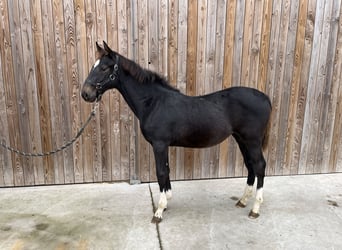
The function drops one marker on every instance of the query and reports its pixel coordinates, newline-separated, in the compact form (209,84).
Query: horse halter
(112,77)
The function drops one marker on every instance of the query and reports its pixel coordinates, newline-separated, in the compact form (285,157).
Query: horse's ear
(107,49)
(100,51)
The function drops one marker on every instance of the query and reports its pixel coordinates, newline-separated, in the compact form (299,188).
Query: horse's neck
(135,95)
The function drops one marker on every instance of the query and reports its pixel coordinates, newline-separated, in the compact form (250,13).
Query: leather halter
(112,77)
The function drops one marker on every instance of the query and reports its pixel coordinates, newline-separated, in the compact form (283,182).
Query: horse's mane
(144,76)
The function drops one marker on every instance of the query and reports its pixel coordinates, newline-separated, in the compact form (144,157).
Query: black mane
(144,76)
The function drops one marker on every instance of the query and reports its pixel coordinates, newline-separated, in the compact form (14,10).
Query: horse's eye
(103,67)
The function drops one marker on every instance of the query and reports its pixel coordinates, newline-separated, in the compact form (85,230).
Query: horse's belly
(201,138)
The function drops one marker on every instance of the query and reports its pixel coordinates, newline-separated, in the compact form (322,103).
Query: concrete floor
(299,212)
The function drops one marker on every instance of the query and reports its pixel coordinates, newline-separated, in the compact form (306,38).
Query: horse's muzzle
(89,93)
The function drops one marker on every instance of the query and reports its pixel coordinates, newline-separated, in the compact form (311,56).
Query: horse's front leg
(161,157)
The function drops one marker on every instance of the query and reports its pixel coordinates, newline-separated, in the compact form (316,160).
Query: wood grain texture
(9,171)
(290,50)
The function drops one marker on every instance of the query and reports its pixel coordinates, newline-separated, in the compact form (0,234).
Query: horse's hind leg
(242,202)
(255,163)
(259,169)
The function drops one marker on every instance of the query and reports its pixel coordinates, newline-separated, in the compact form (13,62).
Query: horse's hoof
(253,215)
(240,204)
(156,220)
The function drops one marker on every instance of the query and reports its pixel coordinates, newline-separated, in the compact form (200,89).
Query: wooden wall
(292,50)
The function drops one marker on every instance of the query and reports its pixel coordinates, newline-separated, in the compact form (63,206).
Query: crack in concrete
(157,224)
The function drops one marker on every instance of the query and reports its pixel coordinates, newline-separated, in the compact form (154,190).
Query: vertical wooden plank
(176,171)
(153,61)
(226,166)
(279,88)
(208,154)
(272,84)
(82,69)
(131,121)
(201,46)
(264,54)
(329,90)
(181,73)
(191,76)
(6,174)
(247,43)
(57,70)
(312,110)
(42,91)
(293,125)
(246,61)
(235,159)
(153,43)
(143,146)
(30,81)
(286,80)
(10,94)
(200,77)
(182,46)
(218,72)
(134,127)
(172,42)
(4,156)
(209,47)
(22,173)
(103,127)
(336,154)
(255,46)
(265,46)
(219,44)
(229,43)
(90,159)
(163,40)
(168,65)
(335,159)
(303,88)
(192,48)
(61,89)
(48,30)
(74,87)
(96,130)
(113,124)
(322,87)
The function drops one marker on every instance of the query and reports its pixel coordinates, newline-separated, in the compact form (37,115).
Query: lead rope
(66,145)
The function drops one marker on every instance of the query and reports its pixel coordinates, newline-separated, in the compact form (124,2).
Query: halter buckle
(115,72)
(112,77)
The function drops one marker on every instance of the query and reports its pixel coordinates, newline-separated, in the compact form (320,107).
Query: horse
(169,118)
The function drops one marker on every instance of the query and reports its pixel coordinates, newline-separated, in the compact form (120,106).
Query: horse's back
(242,100)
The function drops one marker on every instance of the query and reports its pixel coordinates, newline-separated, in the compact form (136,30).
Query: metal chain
(66,145)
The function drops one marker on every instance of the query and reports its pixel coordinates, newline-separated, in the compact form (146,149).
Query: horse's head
(103,75)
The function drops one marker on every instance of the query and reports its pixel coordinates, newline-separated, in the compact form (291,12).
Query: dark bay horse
(170,118)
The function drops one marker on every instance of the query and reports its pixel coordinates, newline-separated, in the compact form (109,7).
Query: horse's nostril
(85,95)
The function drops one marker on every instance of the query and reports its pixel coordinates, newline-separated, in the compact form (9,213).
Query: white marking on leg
(97,63)
(246,195)
(162,204)
(169,194)
(258,201)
